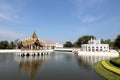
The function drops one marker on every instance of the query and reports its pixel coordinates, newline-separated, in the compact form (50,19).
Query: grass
(105,72)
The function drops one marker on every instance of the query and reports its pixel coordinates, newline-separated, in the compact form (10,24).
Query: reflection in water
(56,66)
(31,65)
(89,61)
(4,57)
(68,57)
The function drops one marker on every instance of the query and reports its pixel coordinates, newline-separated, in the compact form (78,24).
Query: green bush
(115,61)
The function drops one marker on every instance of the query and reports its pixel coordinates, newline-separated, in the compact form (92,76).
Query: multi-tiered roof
(33,40)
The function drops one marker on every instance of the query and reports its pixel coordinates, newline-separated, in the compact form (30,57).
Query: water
(56,66)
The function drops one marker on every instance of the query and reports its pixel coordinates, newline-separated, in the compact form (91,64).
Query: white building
(95,45)
(52,45)
(58,45)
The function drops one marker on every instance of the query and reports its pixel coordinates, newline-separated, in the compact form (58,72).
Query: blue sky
(59,20)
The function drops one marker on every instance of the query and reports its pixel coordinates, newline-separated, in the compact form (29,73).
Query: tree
(108,41)
(4,44)
(117,42)
(18,44)
(12,44)
(83,40)
(75,44)
(68,44)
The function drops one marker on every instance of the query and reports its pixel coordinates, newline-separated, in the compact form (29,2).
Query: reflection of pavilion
(31,65)
(89,61)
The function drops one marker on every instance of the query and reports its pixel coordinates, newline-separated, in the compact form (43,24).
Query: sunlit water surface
(56,66)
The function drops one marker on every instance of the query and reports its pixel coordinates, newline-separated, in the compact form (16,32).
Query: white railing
(67,49)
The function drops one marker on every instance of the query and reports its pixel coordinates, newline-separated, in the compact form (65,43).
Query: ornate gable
(34,35)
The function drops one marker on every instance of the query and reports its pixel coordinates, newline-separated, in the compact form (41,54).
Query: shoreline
(107,54)
(23,51)
(112,53)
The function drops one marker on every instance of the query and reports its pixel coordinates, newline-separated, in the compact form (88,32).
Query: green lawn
(105,73)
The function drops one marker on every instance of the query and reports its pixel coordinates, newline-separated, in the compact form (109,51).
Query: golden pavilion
(33,43)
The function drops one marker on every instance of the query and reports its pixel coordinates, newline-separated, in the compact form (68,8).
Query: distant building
(52,45)
(95,45)
(34,43)
(58,45)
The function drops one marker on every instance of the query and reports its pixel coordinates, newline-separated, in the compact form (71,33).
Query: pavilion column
(28,46)
(31,46)
(35,46)
(38,47)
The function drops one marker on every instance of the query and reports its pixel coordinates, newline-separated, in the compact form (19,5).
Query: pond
(56,66)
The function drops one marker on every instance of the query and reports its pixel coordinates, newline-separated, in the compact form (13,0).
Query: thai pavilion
(33,43)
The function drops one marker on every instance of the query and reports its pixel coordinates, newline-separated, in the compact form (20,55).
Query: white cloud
(4,6)
(89,19)
(87,10)
(87,3)
(9,11)
(5,17)
(8,34)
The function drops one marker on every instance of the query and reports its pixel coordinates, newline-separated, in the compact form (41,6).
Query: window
(96,49)
(89,50)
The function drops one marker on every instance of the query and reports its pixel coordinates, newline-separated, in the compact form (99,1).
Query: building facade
(95,45)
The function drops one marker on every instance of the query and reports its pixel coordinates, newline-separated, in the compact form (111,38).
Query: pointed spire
(91,39)
(34,35)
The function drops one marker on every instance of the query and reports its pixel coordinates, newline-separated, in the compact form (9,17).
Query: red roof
(48,42)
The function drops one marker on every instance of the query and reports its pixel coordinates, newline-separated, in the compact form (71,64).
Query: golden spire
(34,35)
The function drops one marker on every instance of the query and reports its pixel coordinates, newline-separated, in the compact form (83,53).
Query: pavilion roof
(31,40)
